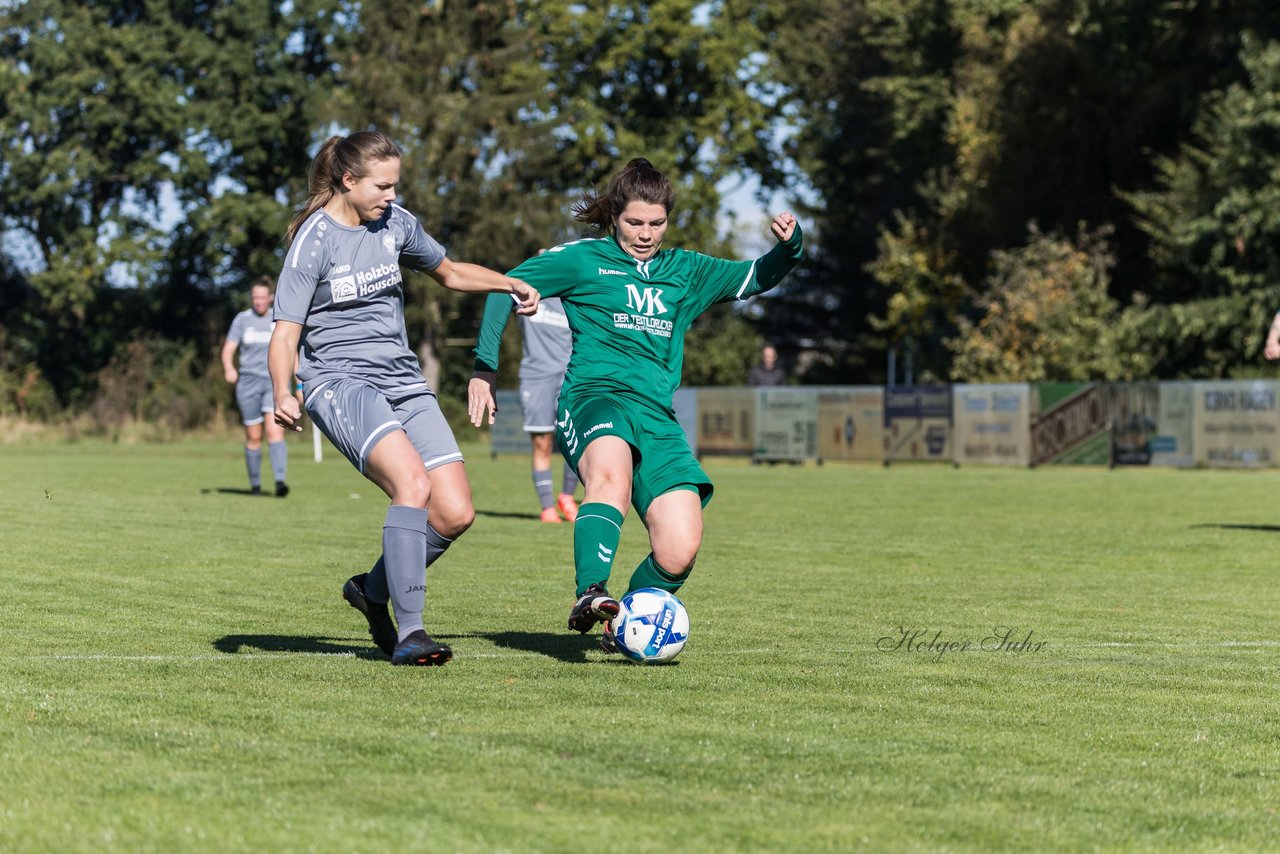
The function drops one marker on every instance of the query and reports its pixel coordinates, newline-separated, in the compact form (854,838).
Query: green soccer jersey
(629,317)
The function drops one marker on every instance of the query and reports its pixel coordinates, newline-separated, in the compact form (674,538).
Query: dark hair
(638,181)
(338,156)
(263,282)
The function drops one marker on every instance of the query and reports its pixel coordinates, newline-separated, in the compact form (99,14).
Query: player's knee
(454,523)
(613,486)
(676,559)
(451,514)
(413,490)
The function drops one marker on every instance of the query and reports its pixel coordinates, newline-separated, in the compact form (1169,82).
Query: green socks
(649,574)
(595,541)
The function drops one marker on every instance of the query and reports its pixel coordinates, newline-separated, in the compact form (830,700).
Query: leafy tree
(261,80)
(1214,223)
(868,93)
(508,112)
(1045,315)
(107,107)
(84,132)
(933,131)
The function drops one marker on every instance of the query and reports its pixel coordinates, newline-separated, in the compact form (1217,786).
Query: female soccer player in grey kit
(340,298)
(250,333)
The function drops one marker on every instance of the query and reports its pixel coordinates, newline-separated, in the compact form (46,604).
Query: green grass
(179,672)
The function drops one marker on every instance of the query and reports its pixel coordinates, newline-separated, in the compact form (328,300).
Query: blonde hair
(338,156)
(638,181)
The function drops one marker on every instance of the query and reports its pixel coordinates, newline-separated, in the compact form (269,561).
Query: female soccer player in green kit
(629,303)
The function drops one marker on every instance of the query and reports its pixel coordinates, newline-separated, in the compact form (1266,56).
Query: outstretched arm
(472,278)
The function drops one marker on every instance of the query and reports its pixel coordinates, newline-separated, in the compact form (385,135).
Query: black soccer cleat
(608,641)
(380,625)
(282,489)
(255,490)
(593,606)
(420,650)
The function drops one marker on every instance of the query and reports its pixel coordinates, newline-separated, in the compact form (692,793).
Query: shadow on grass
(1274,529)
(234,644)
(494,514)
(558,645)
(227,490)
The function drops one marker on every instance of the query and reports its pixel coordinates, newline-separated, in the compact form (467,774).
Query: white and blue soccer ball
(651,626)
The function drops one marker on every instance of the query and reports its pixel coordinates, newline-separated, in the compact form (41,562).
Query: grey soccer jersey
(252,333)
(343,284)
(547,341)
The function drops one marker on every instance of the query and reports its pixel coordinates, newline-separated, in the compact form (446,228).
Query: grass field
(179,673)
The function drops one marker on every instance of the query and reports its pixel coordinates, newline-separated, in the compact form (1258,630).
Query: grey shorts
(254,397)
(355,416)
(538,403)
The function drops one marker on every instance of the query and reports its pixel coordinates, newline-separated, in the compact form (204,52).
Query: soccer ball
(651,626)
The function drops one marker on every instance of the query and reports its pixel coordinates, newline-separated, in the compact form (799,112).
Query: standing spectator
(767,371)
(249,335)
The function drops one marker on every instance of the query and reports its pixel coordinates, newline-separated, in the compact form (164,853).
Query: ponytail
(338,156)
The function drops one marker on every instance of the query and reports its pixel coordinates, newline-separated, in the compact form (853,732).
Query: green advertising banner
(1069,424)
(851,423)
(992,424)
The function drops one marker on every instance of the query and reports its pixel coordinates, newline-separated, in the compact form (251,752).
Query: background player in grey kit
(341,300)
(249,336)
(547,343)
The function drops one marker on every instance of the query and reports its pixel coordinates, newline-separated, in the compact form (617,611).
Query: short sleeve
(420,251)
(236,332)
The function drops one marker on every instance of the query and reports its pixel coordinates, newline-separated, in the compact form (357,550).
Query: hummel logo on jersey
(648,303)
(605,272)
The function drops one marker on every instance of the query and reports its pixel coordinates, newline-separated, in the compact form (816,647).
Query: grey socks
(409,546)
(253,462)
(279,452)
(542,483)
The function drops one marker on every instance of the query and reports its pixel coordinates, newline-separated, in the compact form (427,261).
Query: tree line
(995,189)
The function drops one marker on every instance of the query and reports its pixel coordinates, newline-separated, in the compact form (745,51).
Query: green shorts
(663,460)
